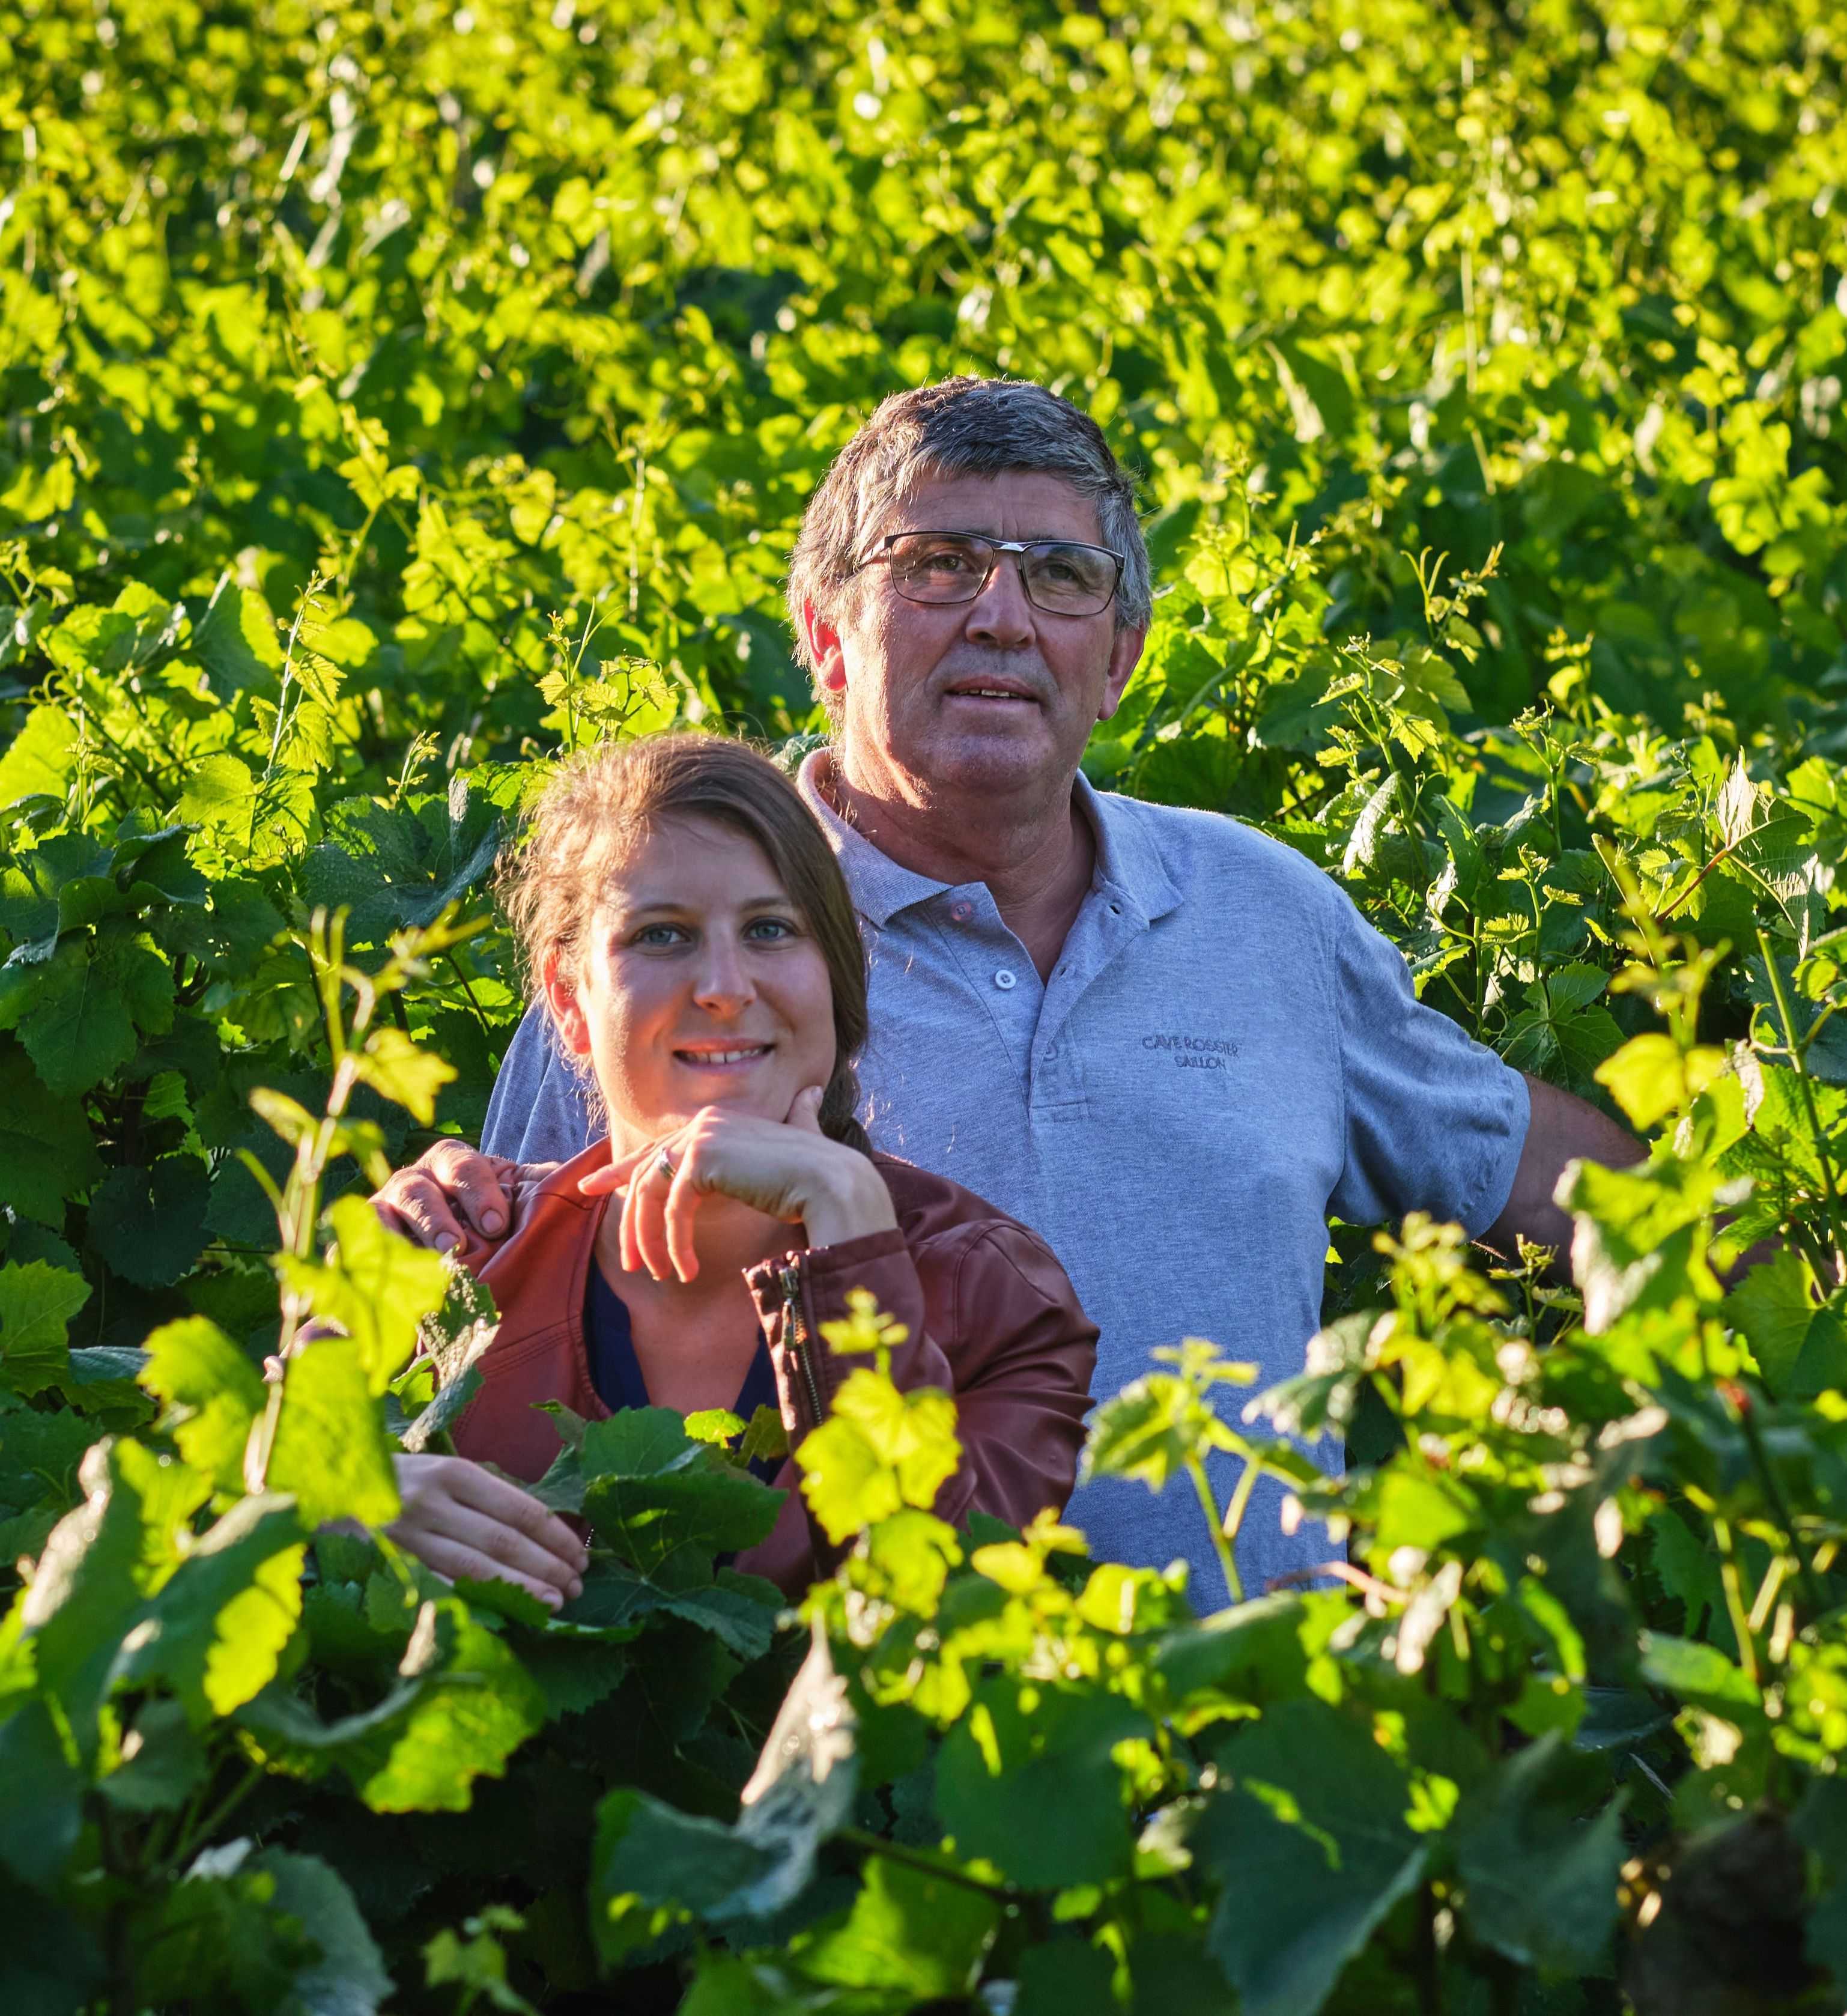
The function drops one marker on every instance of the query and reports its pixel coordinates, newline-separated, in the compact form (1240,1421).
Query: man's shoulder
(1188,844)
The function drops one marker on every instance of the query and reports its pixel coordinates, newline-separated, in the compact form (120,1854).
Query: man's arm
(1563,1128)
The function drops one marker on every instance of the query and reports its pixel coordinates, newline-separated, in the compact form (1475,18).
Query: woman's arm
(992,1319)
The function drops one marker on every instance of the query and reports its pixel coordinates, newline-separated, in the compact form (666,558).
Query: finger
(509,1506)
(420,1203)
(613,1174)
(648,1195)
(677,1214)
(454,1561)
(805,1109)
(472,1181)
(509,1549)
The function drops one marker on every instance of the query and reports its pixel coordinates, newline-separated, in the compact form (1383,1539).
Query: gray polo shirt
(1225,1053)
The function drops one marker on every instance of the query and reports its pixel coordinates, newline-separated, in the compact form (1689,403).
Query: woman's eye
(770,928)
(658,935)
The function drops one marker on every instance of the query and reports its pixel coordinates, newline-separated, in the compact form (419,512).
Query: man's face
(991,695)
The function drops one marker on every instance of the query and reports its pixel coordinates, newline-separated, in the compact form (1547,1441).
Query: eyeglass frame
(1016,547)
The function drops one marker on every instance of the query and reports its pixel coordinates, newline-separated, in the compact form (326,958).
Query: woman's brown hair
(598,806)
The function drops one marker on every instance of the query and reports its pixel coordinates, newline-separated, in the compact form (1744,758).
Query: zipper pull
(795,1341)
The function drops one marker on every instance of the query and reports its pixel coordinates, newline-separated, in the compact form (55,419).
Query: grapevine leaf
(1541,1881)
(37,1302)
(150,1223)
(46,1153)
(1311,1850)
(212,1394)
(214,1631)
(330,1449)
(78,1029)
(1026,1780)
(909,1933)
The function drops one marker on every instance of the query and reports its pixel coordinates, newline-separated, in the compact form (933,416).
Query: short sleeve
(1433,1121)
(538,1110)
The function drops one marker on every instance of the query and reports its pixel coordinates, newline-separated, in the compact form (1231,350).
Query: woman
(695,944)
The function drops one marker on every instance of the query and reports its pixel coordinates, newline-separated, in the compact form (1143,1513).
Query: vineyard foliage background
(396,396)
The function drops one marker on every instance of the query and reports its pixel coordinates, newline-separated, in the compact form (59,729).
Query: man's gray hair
(961,426)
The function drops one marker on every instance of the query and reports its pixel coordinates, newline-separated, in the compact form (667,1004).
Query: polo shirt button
(961,911)
(1004,978)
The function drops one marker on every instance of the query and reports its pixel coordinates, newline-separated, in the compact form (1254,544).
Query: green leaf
(923,1937)
(376,1285)
(46,1153)
(216,1629)
(1774,1305)
(1650,1077)
(1310,1852)
(878,1449)
(37,1302)
(78,1030)
(667,1504)
(100,1564)
(1540,1879)
(42,1797)
(38,759)
(211,1392)
(347,1977)
(1026,1780)
(398,1069)
(462,1705)
(215,1941)
(149,1224)
(330,1449)
(651,1866)
(1701,1675)
(164,1761)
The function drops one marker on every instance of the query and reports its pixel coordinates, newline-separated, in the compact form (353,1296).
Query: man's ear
(1125,655)
(568,1015)
(825,653)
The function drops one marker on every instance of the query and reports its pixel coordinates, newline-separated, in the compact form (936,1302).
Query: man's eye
(945,560)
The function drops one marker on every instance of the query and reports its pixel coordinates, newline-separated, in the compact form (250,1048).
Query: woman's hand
(463,1521)
(787,1169)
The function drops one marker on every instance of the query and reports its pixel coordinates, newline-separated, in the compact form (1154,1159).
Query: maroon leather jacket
(992,1319)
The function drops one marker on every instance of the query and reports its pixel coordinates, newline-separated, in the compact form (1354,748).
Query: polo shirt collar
(1129,863)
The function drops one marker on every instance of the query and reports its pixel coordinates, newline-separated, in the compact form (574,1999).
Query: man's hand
(464,1522)
(449,1189)
(1563,1128)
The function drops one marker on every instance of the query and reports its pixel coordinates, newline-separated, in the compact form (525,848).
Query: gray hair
(961,426)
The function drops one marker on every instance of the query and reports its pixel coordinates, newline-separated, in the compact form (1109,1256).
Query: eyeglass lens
(1060,576)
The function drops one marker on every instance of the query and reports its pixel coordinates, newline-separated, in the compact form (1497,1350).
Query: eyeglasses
(1062,577)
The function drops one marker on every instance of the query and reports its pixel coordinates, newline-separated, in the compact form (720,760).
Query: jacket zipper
(795,1332)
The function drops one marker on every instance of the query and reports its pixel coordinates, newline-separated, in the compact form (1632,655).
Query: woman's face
(700,985)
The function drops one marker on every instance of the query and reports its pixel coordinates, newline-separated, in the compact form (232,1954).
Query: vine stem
(1221,1545)
(1733,1583)
(871,1844)
(1830,1197)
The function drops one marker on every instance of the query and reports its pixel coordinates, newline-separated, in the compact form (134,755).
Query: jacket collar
(1129,866)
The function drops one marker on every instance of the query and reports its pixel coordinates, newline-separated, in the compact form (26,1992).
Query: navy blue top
(616,1373)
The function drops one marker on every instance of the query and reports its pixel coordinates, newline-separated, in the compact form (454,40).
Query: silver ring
(664,1165)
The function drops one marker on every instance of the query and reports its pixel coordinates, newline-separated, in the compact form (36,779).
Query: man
(1168,1044)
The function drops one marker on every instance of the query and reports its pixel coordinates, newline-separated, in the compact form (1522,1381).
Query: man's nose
(1001,615)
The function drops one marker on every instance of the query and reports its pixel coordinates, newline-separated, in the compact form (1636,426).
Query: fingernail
(576,1589)
(446,1242)
(491,1221)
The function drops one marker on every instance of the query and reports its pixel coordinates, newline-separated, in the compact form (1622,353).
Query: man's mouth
(1016,694)
(703,1058)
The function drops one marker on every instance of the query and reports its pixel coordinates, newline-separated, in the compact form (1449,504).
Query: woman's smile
(725,1057)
